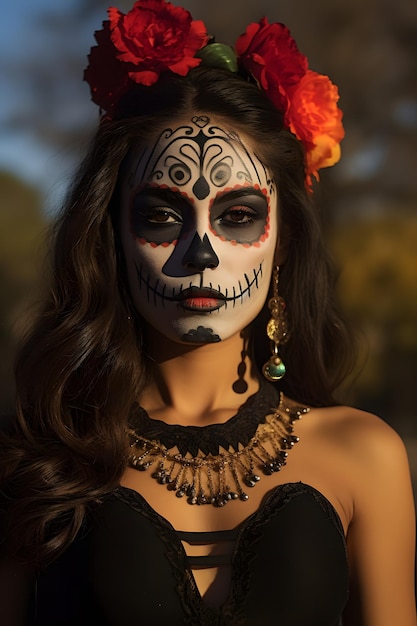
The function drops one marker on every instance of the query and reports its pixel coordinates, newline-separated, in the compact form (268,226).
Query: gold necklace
(217,479)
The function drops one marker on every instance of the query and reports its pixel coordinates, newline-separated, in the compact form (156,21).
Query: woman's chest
(286,561)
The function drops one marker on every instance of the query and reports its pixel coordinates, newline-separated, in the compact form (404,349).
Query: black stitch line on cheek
(148,285)
(248,283)
(155,292)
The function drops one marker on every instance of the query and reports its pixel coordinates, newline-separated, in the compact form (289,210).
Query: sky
(21,152)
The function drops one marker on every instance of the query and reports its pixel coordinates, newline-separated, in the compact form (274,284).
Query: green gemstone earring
(277,331)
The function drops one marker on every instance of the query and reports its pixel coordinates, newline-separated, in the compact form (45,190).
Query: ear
(283,244)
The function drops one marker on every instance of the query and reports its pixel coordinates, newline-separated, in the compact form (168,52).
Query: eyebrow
(174,195)
(165,193)
(232,194)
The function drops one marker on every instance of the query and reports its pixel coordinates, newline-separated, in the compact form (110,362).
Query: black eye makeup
(158,216)
(240,215)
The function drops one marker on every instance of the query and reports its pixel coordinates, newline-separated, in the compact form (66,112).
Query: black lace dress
(128,566)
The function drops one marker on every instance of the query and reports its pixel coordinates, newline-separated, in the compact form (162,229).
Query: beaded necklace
(214,464)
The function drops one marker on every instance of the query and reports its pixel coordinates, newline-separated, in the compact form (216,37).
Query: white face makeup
(199,229)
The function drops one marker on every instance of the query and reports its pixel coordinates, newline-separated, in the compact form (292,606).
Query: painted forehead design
(200,152)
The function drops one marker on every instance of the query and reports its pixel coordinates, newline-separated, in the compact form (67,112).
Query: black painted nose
(200,254)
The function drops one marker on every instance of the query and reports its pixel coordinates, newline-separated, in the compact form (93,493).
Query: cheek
(140,252)
(151,255)
(252,237)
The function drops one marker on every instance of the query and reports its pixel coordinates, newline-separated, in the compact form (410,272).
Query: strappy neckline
(192,600)
(290,488)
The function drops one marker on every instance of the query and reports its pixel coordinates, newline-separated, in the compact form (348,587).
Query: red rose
(153,37)
(314,117)
(106,75)
(271,55)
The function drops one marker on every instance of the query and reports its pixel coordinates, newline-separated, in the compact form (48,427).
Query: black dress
(128,566)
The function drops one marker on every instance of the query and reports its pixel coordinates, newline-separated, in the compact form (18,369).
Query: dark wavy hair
(81,366)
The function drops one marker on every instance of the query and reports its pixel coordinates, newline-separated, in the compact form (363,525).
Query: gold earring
(277,331)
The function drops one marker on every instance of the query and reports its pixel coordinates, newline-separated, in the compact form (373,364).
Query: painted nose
(200,254)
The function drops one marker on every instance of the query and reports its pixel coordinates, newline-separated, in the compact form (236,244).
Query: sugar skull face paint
(199,230)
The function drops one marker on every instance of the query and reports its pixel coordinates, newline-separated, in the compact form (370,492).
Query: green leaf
(218,55)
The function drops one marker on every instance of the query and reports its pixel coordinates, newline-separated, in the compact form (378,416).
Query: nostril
(200,254)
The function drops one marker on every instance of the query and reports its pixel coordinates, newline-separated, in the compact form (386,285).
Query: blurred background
(367,47)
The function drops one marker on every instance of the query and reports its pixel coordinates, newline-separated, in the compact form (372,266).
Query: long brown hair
(81,366)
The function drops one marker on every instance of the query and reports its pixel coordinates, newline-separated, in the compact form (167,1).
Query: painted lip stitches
(201,299)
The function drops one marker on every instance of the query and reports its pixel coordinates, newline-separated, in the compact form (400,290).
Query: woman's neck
(198,385)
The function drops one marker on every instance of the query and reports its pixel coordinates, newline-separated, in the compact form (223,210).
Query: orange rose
(314,118)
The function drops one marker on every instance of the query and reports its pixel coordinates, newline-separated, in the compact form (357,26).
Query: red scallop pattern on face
(140,238)
(246,244)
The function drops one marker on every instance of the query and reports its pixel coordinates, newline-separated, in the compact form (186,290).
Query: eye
(238,216)
(163,216)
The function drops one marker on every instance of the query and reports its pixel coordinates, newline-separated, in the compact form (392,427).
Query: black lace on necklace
(212,464)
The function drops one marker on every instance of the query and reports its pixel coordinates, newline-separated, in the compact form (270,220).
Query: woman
(158,471)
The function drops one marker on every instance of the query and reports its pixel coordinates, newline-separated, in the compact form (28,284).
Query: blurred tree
(378,287)
(54,104)
(21,226)
(368,48)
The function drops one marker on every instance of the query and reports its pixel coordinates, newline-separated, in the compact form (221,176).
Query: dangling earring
(277,331)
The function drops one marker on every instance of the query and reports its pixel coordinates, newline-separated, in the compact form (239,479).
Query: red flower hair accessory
(308,100)
(153,37)
(156,37)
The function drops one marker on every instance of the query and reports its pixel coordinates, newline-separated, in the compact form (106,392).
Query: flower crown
(156,37)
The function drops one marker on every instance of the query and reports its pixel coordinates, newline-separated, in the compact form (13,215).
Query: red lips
(201,299)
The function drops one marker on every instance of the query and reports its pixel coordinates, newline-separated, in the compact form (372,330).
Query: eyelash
(152,214)
(249,215)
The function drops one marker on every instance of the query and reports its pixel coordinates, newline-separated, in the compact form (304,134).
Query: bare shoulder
(370,456)
(366,438)
(365,467)
(373,461)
